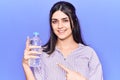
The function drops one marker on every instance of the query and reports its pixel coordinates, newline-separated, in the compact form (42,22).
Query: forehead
(59,15)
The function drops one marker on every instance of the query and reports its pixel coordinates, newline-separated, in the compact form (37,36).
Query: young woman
(64,56)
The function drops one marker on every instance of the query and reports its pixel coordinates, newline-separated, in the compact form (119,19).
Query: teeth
(61,31)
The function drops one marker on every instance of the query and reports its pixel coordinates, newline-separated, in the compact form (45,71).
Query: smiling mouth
(61,31)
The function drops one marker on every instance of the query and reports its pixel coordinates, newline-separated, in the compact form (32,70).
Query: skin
(62,29)
(61,26)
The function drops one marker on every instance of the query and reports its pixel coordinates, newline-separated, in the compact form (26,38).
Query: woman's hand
(72,75)
(28,53)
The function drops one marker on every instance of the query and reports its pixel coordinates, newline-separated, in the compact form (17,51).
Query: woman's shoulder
(85,46)
(87,49)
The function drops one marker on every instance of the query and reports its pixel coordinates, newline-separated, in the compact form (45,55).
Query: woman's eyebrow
(65,18)
(54,19)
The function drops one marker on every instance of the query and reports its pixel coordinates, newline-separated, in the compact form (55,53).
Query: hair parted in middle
(70,11)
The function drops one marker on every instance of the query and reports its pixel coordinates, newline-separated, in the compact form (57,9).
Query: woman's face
(61,25)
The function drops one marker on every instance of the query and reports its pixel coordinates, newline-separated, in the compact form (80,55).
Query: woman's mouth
(61,31)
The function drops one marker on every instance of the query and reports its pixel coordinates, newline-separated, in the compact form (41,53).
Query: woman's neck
(66,44)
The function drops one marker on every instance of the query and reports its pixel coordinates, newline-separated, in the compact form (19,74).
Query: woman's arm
(27,70)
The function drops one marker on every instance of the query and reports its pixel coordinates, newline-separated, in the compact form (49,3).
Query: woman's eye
(54,22)
(65,20)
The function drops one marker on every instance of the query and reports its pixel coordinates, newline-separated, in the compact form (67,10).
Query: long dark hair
(70,11)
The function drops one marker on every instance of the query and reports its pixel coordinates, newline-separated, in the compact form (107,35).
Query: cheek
(67,25)
(54,28)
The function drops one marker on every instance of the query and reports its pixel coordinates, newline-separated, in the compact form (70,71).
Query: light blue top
(83,60)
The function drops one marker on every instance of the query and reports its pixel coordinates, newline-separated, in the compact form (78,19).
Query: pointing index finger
(64,68)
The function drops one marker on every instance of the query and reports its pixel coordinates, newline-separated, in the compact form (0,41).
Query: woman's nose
(60,24)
